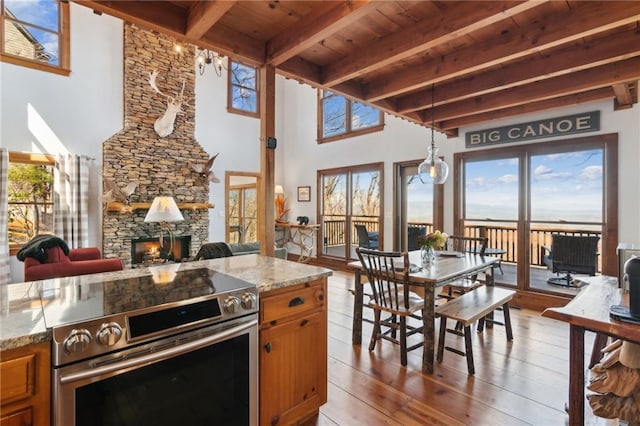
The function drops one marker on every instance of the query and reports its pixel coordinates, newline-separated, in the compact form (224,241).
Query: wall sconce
(162,211)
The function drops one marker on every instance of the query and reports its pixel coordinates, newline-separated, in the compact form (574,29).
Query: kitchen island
(292,311)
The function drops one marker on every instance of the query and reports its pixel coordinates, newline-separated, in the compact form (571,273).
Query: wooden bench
(475,305)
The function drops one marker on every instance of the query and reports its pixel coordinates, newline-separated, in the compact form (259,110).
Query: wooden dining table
(447,268)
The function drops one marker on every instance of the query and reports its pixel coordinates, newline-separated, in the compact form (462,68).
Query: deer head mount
(164,124)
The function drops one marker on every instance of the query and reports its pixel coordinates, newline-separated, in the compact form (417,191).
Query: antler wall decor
(204,170)
(164,124)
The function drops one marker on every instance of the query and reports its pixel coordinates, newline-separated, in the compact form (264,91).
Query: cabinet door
(293,369)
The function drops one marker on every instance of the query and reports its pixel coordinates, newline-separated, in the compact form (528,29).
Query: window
(339,117)
(35,34)
(30,192)
(519,196)
(350,196)
(242,95)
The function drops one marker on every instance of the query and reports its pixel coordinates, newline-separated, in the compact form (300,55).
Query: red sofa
(80,261)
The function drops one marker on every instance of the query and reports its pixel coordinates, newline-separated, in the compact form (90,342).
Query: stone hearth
(160,166)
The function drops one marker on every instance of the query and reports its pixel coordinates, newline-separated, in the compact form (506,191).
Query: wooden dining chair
(388,276)
(464,244)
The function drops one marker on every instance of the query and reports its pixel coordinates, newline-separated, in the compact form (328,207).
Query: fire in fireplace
(147,251)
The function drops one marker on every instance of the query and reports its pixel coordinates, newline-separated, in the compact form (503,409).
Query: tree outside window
(243,89)
(30,193)
(34,34)
(340,117)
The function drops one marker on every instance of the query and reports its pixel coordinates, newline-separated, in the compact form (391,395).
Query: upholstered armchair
(47,257)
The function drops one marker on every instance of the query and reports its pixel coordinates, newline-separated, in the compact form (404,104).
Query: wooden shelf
(128,208)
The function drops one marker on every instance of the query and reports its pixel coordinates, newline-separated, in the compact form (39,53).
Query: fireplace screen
(147,251)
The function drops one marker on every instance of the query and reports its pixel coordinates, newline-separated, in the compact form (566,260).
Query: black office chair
(364,239)
(571,254)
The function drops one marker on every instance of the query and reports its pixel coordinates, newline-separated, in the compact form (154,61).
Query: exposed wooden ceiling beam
(227,41)
(204,14)
(624,96)
(455,22)
(587,19)
(163,17)
(563,101)
(314,28)
(602,76)
(566,59)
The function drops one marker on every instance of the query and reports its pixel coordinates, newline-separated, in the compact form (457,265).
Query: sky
(43,13)
(564,186)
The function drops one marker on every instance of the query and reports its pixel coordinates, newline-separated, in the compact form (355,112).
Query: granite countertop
(21,311)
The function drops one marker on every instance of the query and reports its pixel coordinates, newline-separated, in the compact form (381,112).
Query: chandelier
(433,169)
(206,57)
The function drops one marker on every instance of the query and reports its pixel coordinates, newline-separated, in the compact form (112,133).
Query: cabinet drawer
(277,307)
(18,378)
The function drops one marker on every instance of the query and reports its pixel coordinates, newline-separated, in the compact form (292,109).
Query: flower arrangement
(435,240)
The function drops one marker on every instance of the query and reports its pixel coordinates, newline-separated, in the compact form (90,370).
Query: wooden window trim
(320,197)
(349,133)
(230,85)
(608,142)
(64,49)
(28,158)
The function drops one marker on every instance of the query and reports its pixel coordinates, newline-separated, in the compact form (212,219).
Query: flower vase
(428,256)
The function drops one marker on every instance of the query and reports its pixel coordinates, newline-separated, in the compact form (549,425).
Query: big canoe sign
(567,125)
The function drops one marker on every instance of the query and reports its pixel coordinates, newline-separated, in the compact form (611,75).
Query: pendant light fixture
(433,169)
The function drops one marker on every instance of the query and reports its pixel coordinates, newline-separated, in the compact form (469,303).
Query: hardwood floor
(516,383)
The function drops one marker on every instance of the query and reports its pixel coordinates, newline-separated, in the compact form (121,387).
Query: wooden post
(266,221)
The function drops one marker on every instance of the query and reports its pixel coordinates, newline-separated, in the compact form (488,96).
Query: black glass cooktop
(69,300)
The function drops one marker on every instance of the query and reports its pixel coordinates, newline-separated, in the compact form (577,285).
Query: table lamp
(164,210)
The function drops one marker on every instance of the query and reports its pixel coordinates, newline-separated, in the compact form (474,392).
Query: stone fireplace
(159,166)
(147,251)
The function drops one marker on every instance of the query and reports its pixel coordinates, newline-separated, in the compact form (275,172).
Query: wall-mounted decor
(304,193)
(557,126)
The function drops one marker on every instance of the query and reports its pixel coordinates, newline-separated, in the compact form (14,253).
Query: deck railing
(503,237)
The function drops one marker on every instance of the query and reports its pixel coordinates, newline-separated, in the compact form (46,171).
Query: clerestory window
(339,117)
(35,34)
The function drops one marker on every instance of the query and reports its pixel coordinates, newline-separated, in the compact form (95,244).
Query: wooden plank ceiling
(486,60)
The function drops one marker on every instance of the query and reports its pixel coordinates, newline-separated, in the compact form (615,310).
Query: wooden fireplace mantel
(128,208)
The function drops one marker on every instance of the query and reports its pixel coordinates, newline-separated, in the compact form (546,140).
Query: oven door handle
(156,356)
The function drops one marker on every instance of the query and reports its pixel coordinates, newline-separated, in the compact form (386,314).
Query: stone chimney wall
(160,166)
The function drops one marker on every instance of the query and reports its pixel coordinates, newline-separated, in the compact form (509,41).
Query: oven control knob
(231,305)
(249,300)
(77,341)
(109,334)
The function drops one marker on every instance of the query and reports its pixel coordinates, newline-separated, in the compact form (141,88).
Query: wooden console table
(589,310)
(301,236)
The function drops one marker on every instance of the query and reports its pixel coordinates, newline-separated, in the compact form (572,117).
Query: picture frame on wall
(304,193)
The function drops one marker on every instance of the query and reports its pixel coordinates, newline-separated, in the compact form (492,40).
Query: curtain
(71,205)
(5,270)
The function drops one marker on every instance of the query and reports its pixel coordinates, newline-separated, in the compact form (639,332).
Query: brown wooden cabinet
(25,386)
(293,353)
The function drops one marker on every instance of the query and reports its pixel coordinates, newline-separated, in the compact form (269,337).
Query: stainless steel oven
(185,361)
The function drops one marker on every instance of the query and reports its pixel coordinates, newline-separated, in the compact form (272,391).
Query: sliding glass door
(519,196)
(415,205)
(350,196)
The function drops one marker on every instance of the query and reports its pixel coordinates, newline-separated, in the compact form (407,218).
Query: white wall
(43,112)
(402,141)
(50,113)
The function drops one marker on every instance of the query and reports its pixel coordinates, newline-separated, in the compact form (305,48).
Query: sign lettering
(567,125)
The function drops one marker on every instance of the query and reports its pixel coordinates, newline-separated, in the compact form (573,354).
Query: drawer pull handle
(296,301)
(267,347)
